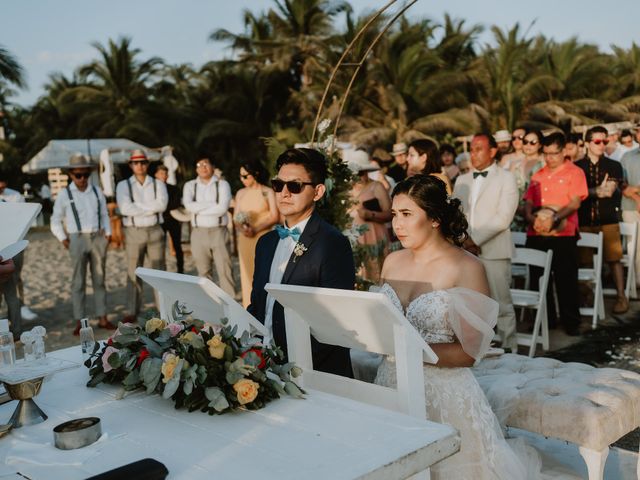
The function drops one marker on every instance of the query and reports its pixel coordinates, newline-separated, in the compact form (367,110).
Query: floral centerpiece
(198,365)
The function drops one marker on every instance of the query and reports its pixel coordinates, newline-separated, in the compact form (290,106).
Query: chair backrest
(365,321)
(530,256)
(519,238)
(630,231)
(590,240)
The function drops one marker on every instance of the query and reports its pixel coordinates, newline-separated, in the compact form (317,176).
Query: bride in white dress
(443,292)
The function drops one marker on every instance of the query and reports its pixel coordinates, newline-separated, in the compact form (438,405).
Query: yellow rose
(169,366)
(216,347)
(247,390)
(154,324)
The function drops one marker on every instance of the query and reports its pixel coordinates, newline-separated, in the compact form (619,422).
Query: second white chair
(535,300)
(593,276)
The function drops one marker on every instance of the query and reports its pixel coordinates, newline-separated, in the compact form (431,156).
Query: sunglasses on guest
(81,175)
(598,141)
(530,142)
(518,137)
(294,186)
(139,162)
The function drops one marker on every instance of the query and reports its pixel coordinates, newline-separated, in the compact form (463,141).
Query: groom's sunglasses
(294,186)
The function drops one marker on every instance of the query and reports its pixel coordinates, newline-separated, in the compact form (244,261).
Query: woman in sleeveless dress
(371,207)
(255,212)
(443,292)
(423,158)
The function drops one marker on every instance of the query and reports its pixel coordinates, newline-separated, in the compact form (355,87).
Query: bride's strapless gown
(455,398)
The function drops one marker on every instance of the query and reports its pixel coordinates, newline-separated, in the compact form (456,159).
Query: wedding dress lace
(453,395)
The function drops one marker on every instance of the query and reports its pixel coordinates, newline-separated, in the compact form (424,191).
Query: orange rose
(247,390)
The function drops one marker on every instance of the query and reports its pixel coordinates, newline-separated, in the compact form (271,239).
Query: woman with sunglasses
(523,169)
(255,212)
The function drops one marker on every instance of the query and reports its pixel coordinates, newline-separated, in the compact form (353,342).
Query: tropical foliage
(425,77)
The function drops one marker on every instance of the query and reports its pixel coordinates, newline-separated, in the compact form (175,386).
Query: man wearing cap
(207,199)
(80,221)
(503,140)
(398,169)
(141,200)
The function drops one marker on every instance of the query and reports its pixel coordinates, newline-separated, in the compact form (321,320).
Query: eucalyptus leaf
(99,378)
(126,339)
(150,371)
(132,379)
(114,361)
(131,363)
(277,386)
(217,399)
(187,388)
(233,377)
(154,349)
(293,390)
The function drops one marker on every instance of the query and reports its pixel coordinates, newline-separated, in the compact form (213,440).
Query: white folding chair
(629,233)
(593,276)
(536,300)
(520,271)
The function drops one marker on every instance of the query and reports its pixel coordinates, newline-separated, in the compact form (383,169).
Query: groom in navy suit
(306,251)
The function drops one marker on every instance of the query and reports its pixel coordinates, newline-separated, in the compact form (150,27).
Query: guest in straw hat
(81,222)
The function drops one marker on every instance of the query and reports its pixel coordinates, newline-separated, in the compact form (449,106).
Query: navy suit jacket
(328,262)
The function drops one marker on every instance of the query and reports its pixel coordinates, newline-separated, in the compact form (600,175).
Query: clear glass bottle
(27,345)
(7,347)
(38,346)
(87,341)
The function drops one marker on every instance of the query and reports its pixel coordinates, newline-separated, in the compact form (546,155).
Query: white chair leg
(600,302)
(545,327)
(595,461)
(536,330)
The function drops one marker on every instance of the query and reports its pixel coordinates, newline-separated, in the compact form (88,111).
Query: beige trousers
(88,249)
(499,277)
(141,241)
(210,244)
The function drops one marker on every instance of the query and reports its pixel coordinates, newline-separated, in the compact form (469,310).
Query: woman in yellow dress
(255,212)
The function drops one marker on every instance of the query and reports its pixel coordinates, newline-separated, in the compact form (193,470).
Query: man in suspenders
(207,199)
(81,222)
(141,200)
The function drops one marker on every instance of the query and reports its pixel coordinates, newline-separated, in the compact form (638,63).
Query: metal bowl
(77,433)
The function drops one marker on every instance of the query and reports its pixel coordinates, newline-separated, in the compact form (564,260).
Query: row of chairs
(526,298)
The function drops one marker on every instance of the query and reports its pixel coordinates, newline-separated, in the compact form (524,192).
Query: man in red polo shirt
(552,202)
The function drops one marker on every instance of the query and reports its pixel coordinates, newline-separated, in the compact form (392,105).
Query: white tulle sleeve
(472,317)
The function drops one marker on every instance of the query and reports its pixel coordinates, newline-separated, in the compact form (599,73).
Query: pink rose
(105,358)
(175,328)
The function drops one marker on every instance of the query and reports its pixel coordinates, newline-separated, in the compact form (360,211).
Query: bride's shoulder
(471,273)
(395,259)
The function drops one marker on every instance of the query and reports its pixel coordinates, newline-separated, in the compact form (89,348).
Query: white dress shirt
(208,202)
(278,265)
(148,201)
(476,187)
(10,195)
(87,206)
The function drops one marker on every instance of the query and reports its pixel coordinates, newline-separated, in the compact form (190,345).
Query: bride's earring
(434,225)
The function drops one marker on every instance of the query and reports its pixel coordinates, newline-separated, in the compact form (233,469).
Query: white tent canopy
(57,152)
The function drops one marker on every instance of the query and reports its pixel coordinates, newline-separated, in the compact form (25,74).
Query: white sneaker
(27,314)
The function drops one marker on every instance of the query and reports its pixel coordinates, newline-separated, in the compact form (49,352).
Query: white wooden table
(321,437)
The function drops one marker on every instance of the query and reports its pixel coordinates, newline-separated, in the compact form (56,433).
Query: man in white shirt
(489,197)
(81,223)
(207,199)
(141,200)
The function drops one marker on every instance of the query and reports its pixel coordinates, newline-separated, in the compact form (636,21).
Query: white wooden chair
(593,276)
(520,271)
(536,300)
(629,233)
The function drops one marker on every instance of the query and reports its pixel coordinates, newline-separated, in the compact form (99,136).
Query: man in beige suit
(489,197)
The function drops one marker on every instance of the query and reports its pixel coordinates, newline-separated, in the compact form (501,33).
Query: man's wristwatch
(556,219)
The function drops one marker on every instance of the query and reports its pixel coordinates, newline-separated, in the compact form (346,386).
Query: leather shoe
(621,305)
(106,324)
(129,319)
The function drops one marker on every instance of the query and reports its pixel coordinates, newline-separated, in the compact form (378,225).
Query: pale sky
(48,36)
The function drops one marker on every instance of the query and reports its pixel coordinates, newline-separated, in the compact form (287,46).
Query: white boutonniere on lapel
(298,251)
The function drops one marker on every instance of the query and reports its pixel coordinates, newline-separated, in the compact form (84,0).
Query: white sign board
(205,299)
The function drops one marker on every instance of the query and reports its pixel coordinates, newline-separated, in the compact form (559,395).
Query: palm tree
(10,69)
(114,97)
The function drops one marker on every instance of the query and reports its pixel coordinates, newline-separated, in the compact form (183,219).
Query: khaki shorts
(611,244)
